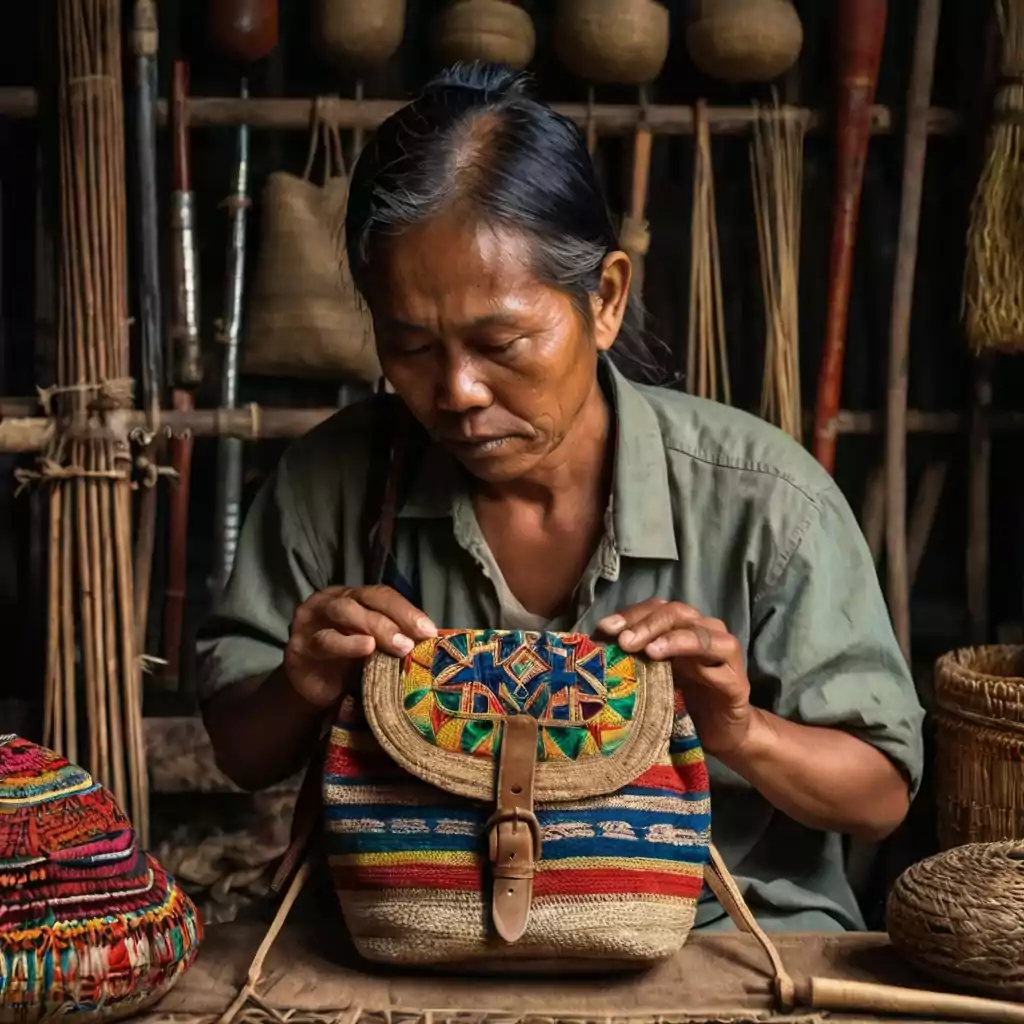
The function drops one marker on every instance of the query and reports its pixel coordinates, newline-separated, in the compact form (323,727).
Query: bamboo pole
(601,119)
(918,96)
(26,434)
(88,475)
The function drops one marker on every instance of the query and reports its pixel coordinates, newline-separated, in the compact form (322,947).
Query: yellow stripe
(688,757)
(444,858)
(584,864)
(353,741)
(40,798)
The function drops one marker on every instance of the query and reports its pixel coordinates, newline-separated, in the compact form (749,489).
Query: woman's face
(494,364)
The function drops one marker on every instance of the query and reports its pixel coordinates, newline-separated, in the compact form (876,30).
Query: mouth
(477,446)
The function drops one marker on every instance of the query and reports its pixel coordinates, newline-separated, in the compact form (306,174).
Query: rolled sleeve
(275,570)
(823,640)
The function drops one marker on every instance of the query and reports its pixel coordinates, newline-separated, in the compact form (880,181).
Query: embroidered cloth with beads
(90,925)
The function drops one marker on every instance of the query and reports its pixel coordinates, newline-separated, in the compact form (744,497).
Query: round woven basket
(980,756)
(959,917)
(744,40)
(489,30)
(618,41)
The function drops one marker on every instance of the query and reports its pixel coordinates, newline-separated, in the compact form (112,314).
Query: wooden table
(312,980)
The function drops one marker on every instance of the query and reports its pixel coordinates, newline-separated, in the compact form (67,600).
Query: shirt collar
(641,505)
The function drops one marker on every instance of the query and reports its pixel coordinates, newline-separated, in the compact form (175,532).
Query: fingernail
(655,647)
(627,637)
(402,643)
(613,623)
(424,625)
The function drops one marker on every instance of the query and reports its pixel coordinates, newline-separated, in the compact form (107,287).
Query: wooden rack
(607,119)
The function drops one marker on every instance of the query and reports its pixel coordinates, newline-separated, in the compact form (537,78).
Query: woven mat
(714,977)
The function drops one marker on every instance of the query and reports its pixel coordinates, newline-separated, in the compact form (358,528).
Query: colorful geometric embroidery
(459,687)
(89,923)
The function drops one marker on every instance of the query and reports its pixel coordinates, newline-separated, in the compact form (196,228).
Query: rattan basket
(980,758)
(959,918)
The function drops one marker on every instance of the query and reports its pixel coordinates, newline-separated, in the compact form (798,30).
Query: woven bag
(91,927)
(306,318)
(512,795)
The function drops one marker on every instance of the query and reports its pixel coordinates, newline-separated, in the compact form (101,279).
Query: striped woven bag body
(506,795)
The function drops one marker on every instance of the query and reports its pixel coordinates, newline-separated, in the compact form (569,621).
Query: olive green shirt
(710,506)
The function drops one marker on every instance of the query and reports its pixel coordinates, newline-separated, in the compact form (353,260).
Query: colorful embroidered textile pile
(89,924)
(605,804)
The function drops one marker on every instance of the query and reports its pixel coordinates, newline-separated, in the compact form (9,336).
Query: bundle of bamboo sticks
(707,364)
(92,656)
(777,159)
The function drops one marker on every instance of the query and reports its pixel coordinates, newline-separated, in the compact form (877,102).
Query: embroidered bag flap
(597,717)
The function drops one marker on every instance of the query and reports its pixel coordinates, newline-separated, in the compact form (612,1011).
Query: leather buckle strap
(513,832)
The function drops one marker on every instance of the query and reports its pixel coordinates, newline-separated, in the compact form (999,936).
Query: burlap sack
(305,317)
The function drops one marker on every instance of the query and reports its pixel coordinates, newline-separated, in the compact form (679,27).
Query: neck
(578,467)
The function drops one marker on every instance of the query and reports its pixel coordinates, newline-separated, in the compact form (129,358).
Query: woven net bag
(959,918)
(980,759)
(306,318)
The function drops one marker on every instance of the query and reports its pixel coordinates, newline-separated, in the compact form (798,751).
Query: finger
(612,625)
(347,615)
(330,645)
(659,622)
(696,643)
(410,620)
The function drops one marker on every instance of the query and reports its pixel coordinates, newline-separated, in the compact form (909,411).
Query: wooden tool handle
(867,997)
(861,32)
(179,126)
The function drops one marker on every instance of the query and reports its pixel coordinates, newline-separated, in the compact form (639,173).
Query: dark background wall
(941,371)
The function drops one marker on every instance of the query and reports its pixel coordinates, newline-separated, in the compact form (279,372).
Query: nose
(460,388)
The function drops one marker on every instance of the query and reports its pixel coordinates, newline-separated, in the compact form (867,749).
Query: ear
(608,303)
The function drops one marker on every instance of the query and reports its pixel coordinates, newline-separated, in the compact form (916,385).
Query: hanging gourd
(244,30)
(624,42)
(744,40)
(358,33)
(494,31)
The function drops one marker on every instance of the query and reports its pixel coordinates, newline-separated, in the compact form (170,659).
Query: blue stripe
(554,850)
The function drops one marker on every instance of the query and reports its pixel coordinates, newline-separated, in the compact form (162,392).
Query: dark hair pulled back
(529,171)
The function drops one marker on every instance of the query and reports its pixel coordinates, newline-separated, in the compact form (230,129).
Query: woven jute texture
(980,758)
(959,917)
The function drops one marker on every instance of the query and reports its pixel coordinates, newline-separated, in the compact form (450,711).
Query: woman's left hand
(707,665)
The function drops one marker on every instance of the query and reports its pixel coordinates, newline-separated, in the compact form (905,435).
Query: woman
(550,492)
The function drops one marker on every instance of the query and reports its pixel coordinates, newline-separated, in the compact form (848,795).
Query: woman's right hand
(341,625)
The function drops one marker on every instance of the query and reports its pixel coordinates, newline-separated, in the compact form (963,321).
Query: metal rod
(607,119)
(228,509)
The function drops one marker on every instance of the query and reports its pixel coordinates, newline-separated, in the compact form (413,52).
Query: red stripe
(695,777)
(663,777)
(546,883)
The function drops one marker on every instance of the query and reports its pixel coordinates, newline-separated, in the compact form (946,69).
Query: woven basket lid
(744,40)
(39,785)
(494,31)
(983,685)
(957,917)
(362,33)
(617,41)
